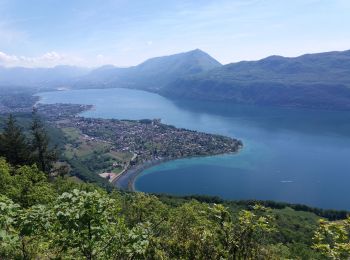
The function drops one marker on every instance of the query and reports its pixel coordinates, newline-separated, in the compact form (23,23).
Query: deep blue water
(292,155)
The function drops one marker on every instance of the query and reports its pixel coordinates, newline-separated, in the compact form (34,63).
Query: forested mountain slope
(313,80)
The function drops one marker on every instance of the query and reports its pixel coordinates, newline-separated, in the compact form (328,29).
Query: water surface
(293,155)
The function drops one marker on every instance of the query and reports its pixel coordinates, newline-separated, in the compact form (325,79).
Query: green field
(95,154)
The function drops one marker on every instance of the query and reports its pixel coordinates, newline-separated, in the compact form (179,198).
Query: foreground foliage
(332,239)
(62,219)
(46,215)
(91,225)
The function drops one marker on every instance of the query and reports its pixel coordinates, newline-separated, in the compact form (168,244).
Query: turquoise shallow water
(293,155)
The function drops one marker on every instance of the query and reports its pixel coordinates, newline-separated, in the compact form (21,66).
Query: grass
(94,153)
(71,133)
(122,156)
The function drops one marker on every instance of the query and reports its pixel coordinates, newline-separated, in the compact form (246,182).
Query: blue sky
(126,32)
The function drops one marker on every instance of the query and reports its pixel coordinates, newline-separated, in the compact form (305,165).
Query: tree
(62,170)
(190,233)
(88,225)
(246,236)
(24,233)
(5,177)
(26,185)
(9,236)
(41,153)
(332,239)
(141,208)
(13,144)
(35,226)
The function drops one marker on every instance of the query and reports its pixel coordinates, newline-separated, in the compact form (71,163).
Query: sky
(46,33)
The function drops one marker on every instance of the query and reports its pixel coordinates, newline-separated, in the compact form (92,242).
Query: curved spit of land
(152,142)
(138,144)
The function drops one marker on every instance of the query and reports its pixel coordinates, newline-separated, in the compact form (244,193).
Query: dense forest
(47,214)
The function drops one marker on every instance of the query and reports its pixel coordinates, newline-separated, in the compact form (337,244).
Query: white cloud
(51,56)
(5,58)
(54,58)
(48,59)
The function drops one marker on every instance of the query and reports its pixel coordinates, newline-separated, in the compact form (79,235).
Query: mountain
(102,77)
(313,80)
(153,74)
(40,77)
(319,80)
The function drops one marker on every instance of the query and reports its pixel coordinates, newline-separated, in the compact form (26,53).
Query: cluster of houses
(58,111)
(150,139)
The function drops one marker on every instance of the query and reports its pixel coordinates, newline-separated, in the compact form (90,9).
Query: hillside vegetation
(314,80)
(47,214)
(62,219)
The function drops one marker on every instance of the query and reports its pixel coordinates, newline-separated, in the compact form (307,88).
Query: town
(151,139)
(143,140)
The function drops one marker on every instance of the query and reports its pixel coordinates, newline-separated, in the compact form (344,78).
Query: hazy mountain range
(153,74)
(314,80)
(40,77)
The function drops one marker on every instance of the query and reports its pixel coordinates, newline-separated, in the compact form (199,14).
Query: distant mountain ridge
(313,80)
(36,77)
(153,74)
(320,80)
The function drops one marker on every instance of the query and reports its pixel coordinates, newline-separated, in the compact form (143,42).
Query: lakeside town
(16,102)
(150,139)
(144,140)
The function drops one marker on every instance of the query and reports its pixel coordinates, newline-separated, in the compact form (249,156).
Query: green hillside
(45,213)
(314,81)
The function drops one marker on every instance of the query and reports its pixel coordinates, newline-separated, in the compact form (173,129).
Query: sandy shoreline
(126,181)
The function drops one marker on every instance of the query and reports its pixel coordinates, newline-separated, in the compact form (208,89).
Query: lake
(292,155)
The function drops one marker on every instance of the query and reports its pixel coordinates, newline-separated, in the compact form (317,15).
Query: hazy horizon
(125,33)
(109,64)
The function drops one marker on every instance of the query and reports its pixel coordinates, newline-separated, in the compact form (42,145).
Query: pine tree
(13,144)
(41,153)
